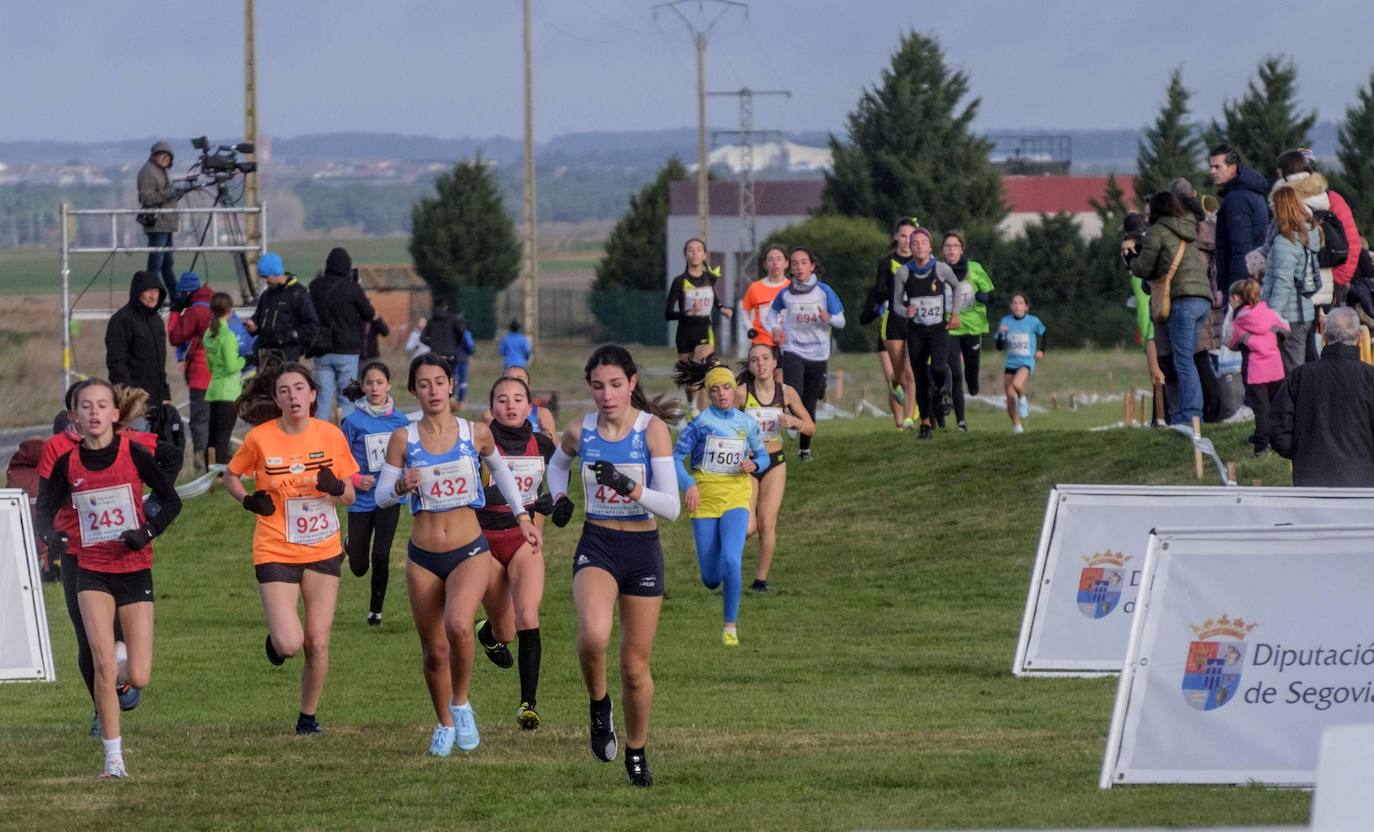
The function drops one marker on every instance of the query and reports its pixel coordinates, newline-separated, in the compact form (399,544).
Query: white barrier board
(1247,643)
(1092,550)
(25,649)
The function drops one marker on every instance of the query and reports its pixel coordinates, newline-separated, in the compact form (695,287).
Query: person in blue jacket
(368,428)
(515,347)
(714,455)
(1243,219)
(1022,336)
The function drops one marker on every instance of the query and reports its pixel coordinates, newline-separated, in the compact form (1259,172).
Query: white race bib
(376,450)
(723,455)
(105,513)
(1018,344)
(807,316)
(699,300)
(929,310)
(310,520)
(769,419)
(529,474)
(448,485)
(602,501)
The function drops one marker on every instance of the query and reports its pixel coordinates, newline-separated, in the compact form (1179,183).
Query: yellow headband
(719,375)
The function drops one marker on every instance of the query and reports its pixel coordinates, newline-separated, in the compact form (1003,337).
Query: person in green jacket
(226,367)
(973,321)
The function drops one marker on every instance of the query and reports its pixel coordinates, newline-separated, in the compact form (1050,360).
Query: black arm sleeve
(546,446)
(984,298)
(166,492)
(169,459)
(1042,341)
(672,311)
(53,492)
(1001,341)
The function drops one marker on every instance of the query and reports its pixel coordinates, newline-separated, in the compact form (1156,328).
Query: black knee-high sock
(530,651)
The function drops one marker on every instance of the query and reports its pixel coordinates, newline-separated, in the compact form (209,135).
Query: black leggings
(222,420)
(808,379)
(84,662)
(928,347)
(377,528)
(970,350)
(1260,395)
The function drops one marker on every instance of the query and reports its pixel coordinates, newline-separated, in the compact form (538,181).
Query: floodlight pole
(254,231)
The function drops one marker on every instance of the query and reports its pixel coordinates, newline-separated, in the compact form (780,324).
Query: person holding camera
(155,190)
(285,322)
(343,308)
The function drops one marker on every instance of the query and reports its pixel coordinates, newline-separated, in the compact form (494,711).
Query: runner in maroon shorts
(517,587)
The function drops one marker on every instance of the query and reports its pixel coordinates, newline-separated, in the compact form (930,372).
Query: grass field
(36,271)
(872,689)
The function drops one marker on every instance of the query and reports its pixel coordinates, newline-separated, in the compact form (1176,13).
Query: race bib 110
(376,443)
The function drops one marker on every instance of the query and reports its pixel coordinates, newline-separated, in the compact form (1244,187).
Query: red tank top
(65,519)
(529,476)
(107,503)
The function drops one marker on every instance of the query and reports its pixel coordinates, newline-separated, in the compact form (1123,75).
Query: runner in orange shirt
(758,300)
(300,466)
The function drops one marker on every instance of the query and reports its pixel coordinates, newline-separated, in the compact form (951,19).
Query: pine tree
(1355,150)
(1171,147)
(911,150)
(635,249)
(462,236)
(1265,121)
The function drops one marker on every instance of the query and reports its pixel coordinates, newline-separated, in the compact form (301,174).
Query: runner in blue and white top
(368,430)
(802,316)
(1022,336)
(436,462)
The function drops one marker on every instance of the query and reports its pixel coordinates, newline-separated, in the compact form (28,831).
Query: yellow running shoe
(729,639)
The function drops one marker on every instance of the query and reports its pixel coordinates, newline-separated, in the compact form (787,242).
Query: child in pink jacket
(1254,330)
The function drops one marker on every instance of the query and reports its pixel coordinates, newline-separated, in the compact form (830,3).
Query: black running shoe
(637,766)
(946,402)
(758,586)
(308,726)
(603,730)
(496,651)
(273,656)
(963,427)
(926,433)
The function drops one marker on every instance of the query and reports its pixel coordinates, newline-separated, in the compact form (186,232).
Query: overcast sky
(86,70)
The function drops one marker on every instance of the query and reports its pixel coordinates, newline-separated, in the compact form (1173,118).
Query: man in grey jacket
(155,190)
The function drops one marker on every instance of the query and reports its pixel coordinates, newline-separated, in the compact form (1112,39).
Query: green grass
(872,689)
(36,271)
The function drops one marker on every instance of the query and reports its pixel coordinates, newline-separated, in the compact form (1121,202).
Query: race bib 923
(310,520)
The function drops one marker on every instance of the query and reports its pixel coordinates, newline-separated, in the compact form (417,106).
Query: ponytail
(221,304)
(132,403)
(692,374)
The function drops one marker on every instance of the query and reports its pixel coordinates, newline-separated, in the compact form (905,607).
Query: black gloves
(260,502)
(329,484)
(607,475)
(562,511)
(543,505)
(56,542)
(180,301)
(136,539)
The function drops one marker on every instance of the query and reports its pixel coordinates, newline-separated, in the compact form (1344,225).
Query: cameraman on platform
(155,190)
(285,321)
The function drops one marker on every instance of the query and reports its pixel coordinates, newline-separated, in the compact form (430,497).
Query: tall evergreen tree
(1171,147)
(635,249)
(462,236)
(911,149)
(1355,150)
(1265,121)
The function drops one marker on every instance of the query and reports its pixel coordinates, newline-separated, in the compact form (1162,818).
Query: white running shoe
(441,744)
(465,724)
(1018,429)
(114,769)
(1022,407)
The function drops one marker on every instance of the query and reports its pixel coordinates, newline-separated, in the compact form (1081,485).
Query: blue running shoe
(1022,407)
(465,724)
(441,744)
(129,697)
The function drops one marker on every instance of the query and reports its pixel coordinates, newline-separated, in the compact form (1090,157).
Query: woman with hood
(1169,250)
(1292,260)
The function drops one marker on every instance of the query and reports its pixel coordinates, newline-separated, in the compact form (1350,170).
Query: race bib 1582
(1019,344)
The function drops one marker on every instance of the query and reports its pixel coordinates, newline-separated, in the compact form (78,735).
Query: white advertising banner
(1092,549)
(1246,644)
(25,649)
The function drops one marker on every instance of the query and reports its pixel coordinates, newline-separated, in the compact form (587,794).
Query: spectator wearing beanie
(285,322)
(343,309)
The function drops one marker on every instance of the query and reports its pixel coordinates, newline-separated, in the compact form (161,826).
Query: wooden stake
(1159,403)
(1054,401)
(1073,402)
(1128,408)
(839,385)
(1230,472)
(1197,452)
(1141,408)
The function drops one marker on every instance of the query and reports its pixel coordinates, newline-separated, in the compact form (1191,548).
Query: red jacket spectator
(1342,273)
(186,327)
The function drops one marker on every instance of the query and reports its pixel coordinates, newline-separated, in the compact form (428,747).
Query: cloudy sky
(86,70)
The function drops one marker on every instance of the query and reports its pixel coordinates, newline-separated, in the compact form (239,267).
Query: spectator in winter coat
(1296,169)
(285,321)
(185,330)
(226,362)
(373,333)
(136,342)
(515,347)
(1243,217)
(1323,413)
(1256,330)
(1292,256)
(155,190)
(448,335)
(343,309)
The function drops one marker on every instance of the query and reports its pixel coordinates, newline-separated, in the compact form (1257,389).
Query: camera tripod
(248,291)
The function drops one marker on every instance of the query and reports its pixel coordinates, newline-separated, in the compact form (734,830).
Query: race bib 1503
(723,455)
(603,501)
(105,513)
(448,485)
